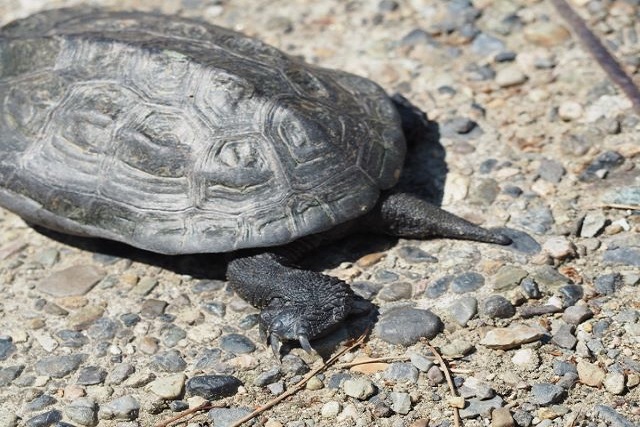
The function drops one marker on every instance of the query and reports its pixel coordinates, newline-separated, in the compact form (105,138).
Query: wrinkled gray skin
(178,137)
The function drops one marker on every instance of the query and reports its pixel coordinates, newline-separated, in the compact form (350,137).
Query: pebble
(435,375)
(561,368)
(7,348)
(498,307)
(537,219)
(267,377)
(549,277)
(415,255)
(84,317)
(622,255)
(613,418)
(226,417)
(331,409)
(10,373)
(276,388)
(83,411)
(570,111)
(546,33)
(577,314)
(400,402)
(601,166)
(401,372)
(72,281)
(73,339)
(45,419)
(463,310)
(559,248)
(213,387)
(103,329)
(511,337)
(607,284)
(569,295)
(501,417)
(521,241)
(511,75)
(477,407)
(485,45)
(592,224)
(467,282)
(396,291)
(420,362)
(292,365)
(359,388)
(314,383)
(525,358)
(614,382)
(457,347)
(564,337)
(91,375)
(545,394)
(590,373)
(39,403)
(530,288)
(438,287)
(407,325)
(168,388)
(144,286)
(152,308)
(169,361)
(237,344)
(59,366)
(122,408)
(366,290)
(551,171)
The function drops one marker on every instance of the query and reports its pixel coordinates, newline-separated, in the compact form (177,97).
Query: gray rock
(477,407)
(607,284)
(45,419)
(522,418)
(10,373)
(217,308)
(415,255)
(72,281)
(83,410)
(545,394)
(551,171)
(564,337)
(207,358)
(237,344)
(225,417)
(530,288)
(569,294)
(387,6)
(438,287)
(603,164)
(276,388)
(7,348)
(549,277)
(178,405)
(386,276)
(463,310)
(536,219)
(486,45)
(169,361)
(508,277)
(91,375)
(592,224)
(407,325)
(561,367)
(457,126)
(510,76)
(267,377)
(521,241)
(577,314)
(122,408)
(400,402)
(152,308)
(213,387)
(59,366)
(568,380)
(435,375)
(420,362)
(366,290)
(396,291)
(467,282)
(401,372)
(39,403)
(330,409)
(359,388)
(129,319)
(119,373)
(71,338)
(498,307)
(484,192)
(622,255)
(417,37)
(614,382)
(622,195)
(613,418)
(293,365)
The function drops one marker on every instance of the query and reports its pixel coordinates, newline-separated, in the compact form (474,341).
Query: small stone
(592,224)
(467,282)
(498,307)
(237,344)
(612,418)
(510,75)
(72,281)
(330,409)
(501,417)
(415,255)
(525,358)
(435,375)
(396,291)
(601,166)
(103,329)
(478,407)
(457,347)
(59,366)
(169,361)
(577,314)
(420,362)
(400,402)
(276,388)
(83,411)
(217,308)
(438,287)
(401,372)
(84,317)
(607,284)
(407,325)
(71,338)
(564,337)
(122,408)
(213,387)
(508,277)
(7,348)
(39,403)
(10,373)
(168,388)
(511,337)
(570,110)
(152,308)
(457,126)
(485,45)
(267,377)
(226,417)
(149,345)
(45,419)
(546,33)
(614,382)
(545,394)
(569,295)
(293,365)
(622,255)
(559,248)
(314,383)
(359,388)
(530,288)
(551,171)
(91,375)
(590,373)
(144,286)
(463,310)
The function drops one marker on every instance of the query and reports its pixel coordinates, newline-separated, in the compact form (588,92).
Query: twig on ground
(372,360)
(620,206)
(447,375)
(204,407)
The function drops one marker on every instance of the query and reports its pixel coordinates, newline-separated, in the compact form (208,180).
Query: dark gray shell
(182,137)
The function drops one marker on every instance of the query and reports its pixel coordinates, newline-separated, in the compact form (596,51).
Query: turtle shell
(178,136)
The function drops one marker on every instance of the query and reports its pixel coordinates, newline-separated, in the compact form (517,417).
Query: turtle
(180,137)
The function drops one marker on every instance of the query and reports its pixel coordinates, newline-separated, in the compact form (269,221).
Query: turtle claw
(306,346)
(275,344)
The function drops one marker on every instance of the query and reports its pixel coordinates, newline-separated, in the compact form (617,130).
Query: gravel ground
(536,139)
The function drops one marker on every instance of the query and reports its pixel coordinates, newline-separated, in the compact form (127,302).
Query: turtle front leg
(405,215)
(295,304)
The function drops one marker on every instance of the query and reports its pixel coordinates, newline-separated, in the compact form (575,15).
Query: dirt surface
(529,134)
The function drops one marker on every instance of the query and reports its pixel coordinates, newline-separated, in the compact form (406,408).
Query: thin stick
(620,206)
(302,382)
(203,407)
(373,360)
(600,53)
(452,387)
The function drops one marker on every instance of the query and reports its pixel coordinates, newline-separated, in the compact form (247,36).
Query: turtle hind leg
(404,215)
(296,305)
